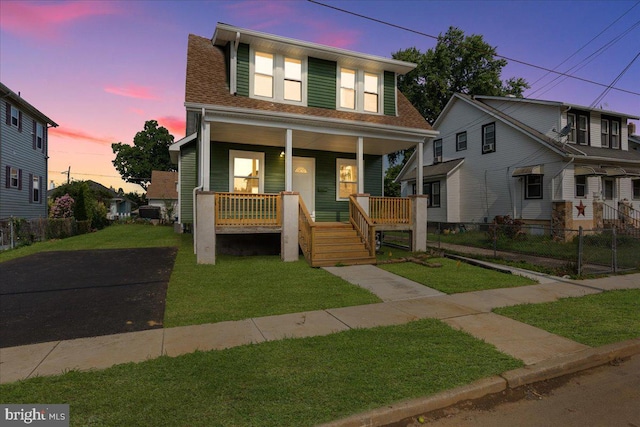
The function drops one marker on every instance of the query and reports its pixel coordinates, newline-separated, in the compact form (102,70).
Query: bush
(62,207)
(60,228)
(505,226)
(84,227)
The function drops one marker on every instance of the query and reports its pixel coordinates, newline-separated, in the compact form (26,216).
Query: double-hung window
(437,151)
(347,88)
(579,127)
(15,117)
(359,90)
(432,189)
(278,77)
(636,189)
(489,138)
(346,179)
(35,189)
(615,134)
(246,172)
(533,187)
(581,186)
(39,136)
(461,141)
(13,179)
(605,140)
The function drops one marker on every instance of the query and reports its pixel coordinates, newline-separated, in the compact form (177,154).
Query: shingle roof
(206,83)
(163,185)
(437,169)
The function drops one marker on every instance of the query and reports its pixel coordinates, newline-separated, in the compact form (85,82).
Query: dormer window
(609,132)
(359,90)
(278,77)
(579,128)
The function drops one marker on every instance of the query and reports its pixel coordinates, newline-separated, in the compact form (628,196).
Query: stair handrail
(630,221)
(306,231)
(363,225)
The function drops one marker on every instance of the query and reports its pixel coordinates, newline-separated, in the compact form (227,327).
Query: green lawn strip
(294,382)
(243,287)
(112,237)
(456,276)
(592,320)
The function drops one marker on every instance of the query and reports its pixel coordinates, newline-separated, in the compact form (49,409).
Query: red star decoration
(581,207)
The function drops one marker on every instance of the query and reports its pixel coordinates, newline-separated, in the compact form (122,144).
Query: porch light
(282,154)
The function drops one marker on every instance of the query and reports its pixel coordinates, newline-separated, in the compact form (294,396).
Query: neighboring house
(634,140)
(163,192)
(270,118)
(544,162)
(23,157)
(118,205)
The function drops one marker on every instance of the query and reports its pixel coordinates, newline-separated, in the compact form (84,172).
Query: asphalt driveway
(54,296)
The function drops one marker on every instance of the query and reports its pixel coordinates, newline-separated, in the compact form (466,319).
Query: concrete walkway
(404,301)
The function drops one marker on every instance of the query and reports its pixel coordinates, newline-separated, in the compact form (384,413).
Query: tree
(457,64)
(392,189)
(150,151)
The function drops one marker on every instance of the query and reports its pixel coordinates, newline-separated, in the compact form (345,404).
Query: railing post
(289,233)
(419,226)
(614,250)
(206,229)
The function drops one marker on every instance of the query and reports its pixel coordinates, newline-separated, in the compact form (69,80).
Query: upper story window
(15,116)
(371,89)
(437,151)
(13,180)
(35,189)
(461,141)
(579,128)
(278,77)
(347,89)
(489,138)
(39,136)
(609,132)
(615,134)
(359,90)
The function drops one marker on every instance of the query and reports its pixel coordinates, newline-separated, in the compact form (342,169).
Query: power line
(496,55)
(606,91)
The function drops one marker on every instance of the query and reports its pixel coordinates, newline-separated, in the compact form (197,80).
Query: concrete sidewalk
(404,301)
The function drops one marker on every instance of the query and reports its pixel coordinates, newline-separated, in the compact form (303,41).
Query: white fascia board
(225,33)
(311,123)
(407,167)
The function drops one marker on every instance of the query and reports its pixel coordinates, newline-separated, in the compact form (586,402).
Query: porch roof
(241,118)
(438,169)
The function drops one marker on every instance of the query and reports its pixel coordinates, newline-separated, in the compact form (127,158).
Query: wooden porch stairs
(337,243)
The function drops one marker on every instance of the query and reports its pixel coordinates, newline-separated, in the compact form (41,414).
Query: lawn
(244,287)
(592,320)
(295,382)
(456,276)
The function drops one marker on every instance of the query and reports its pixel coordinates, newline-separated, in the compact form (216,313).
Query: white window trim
(35,187)
(278,77)
(360,91)
(458,135)
(233,154)
(488,147)
(340,162)
(528,185)
(586,187)
(39,136)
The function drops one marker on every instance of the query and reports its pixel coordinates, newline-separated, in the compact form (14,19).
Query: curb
(548,369)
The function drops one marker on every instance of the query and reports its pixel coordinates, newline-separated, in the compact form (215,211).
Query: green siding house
(286,135)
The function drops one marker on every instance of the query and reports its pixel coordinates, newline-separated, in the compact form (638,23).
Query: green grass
(592,320)
(456,276)
(296,382)
(113,237)
(244,287)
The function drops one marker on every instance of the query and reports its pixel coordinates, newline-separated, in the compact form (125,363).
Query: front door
(304,181)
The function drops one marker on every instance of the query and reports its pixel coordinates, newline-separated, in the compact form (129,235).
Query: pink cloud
(138,111)
(131,91)
(175,125)
(46,20)
(65,132)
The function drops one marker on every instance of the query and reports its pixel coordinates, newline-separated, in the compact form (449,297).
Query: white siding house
(538,161)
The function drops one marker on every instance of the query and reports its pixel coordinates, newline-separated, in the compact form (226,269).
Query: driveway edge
(545,370)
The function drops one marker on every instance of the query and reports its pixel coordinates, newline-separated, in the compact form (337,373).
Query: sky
(100,69)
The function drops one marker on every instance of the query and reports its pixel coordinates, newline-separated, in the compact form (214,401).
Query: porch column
(206,230)
(288,161)
(420,172)
(360,164)
(205,154)
(289,234)
(419,218)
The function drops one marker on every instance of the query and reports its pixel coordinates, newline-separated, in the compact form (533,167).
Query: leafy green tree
(457,64)
(392,189)
(150,151)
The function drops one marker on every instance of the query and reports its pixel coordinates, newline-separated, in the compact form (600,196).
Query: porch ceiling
(321,139)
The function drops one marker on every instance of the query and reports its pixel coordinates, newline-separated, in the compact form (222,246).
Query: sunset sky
(100,69)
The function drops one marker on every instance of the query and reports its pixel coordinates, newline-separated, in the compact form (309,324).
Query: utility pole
(68,173)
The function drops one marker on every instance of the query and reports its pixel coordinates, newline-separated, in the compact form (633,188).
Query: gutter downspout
(200,185)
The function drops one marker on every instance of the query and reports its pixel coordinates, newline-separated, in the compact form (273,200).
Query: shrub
(504,225)
(62,207)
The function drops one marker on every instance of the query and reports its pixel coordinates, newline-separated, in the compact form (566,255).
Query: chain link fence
(561,251)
